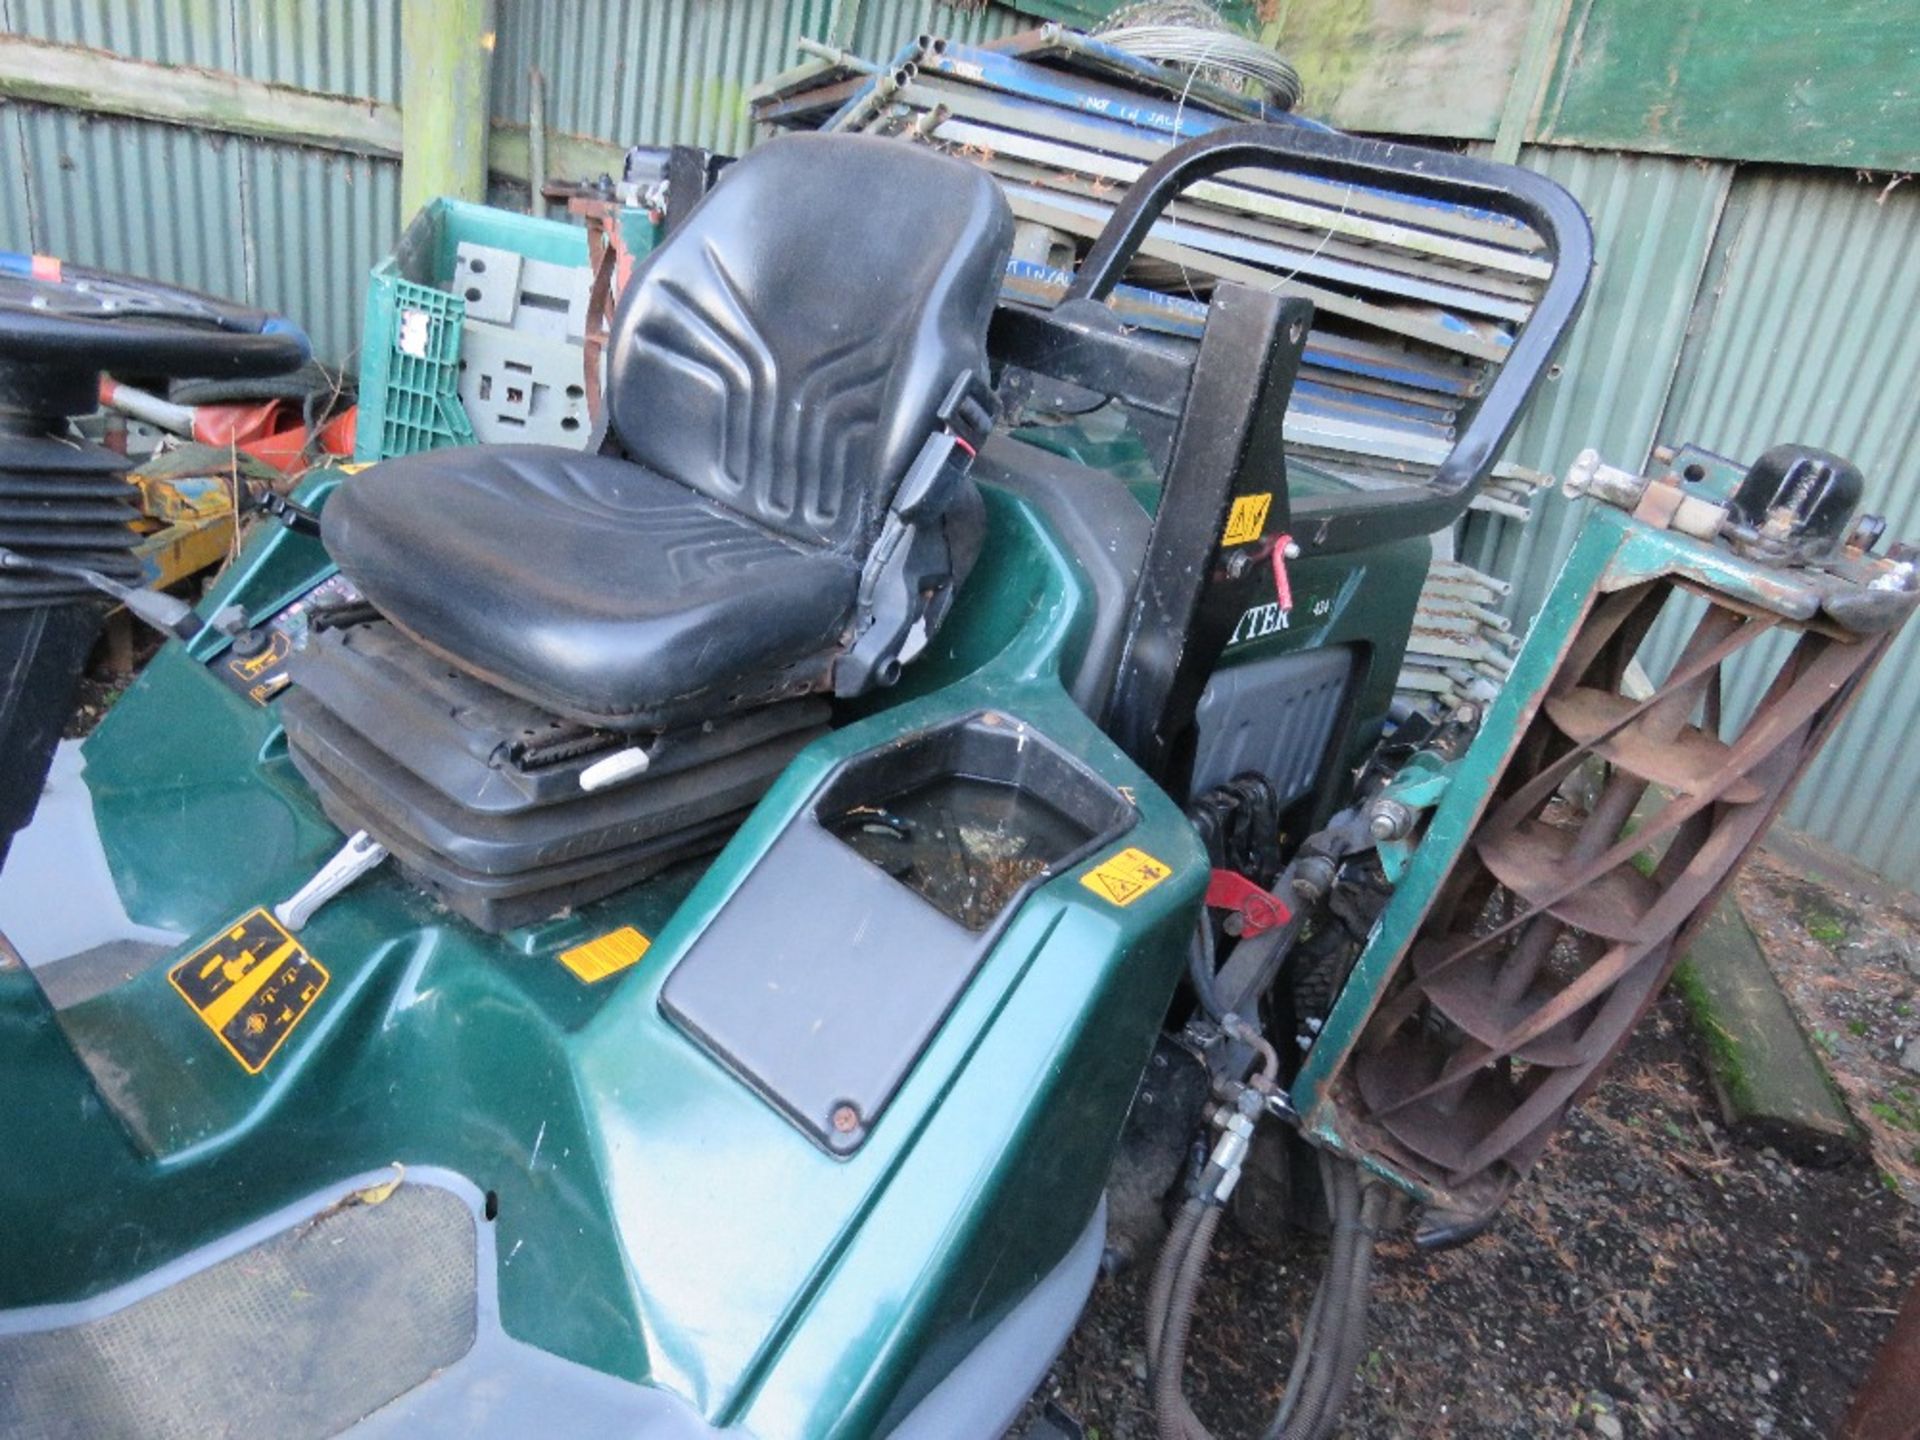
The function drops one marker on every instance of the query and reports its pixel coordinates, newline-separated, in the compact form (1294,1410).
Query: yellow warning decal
(1248,519)
(251,984)
(1126,877)
(606,954)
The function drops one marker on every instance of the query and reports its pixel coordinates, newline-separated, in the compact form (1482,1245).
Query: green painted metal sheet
(275,225)
(16,210)
(1805,332)
(321,45)
(886,25)
(316,225)
(1830,84)
(656,1218)
(1402,67)
(131,195)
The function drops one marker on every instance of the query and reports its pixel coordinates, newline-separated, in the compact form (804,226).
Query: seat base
(478,794)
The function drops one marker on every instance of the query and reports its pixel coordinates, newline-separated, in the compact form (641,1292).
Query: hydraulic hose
(1173,1416)
(1200,968)
(1332,1342)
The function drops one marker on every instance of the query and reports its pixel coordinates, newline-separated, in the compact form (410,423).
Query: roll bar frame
(1336,523)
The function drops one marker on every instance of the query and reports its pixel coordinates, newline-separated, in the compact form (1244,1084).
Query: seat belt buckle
(969,410)
(966,417)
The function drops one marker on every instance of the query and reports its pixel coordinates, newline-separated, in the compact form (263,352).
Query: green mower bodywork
(524,1179)
(664,1224)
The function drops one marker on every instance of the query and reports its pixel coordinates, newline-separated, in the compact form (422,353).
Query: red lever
(1258,910)
(1282,587)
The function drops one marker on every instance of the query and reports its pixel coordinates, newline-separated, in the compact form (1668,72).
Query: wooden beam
(447,60)
(78,78)
(569,157)
(1771,1085)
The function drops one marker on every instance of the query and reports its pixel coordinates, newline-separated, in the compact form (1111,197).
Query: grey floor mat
(301,1335)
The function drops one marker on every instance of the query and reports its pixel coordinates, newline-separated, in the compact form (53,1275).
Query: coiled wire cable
(1219,50)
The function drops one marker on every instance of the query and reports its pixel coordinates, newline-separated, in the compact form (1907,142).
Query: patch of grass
(1857,1028)
(1898,1110)
(1827,929)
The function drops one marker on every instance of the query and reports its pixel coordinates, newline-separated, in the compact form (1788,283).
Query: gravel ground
(1650,1278)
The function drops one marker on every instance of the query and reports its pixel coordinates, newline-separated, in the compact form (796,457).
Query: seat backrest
(785,351)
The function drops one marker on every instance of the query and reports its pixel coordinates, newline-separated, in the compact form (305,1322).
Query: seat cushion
(589,585)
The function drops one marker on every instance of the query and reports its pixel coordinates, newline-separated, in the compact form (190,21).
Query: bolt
(846,1119)
(1290,550)
(1389,819)
(1237,564)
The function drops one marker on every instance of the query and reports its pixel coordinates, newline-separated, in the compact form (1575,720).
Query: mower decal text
(1260,620)
(1126,877)
(606,954)
(1247,520)
(251,985)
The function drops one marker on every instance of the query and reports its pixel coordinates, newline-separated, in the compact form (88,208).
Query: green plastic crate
(409,370)
(410,353)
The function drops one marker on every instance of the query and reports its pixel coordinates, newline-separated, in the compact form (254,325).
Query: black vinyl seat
(614,590)
(776,371)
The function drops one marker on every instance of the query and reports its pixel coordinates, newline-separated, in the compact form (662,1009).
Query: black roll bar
(1334,523)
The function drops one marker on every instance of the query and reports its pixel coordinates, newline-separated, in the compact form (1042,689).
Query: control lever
(360,854)
(159,609)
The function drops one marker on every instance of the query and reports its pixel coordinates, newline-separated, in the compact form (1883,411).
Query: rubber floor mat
(301,1335)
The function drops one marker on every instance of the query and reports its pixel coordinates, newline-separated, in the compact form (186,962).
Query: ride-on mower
(667,940)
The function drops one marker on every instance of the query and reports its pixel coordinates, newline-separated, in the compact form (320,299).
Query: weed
(1827,929)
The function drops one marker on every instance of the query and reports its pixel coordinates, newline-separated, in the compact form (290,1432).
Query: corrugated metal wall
(277,225)
(298,229)
(677,72)
(1805,331)
(1653,222)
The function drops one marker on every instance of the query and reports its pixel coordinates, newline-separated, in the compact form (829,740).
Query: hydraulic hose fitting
(1229,1155)
(1313,876)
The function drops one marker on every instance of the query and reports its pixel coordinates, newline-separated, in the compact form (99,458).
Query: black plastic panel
(824,977)
(1273,717)
(1101,525)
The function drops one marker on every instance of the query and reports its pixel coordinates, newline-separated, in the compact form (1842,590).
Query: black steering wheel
(61,325)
